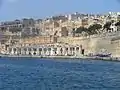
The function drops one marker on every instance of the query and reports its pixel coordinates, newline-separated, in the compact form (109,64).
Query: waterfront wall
(109,43)
(95,44)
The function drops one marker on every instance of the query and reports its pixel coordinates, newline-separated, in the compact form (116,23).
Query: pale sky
(18,9)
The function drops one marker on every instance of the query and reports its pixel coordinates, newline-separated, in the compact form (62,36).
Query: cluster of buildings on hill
(30,32)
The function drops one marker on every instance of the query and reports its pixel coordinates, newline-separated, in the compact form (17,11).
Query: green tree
(81,29)
(94,29)
(107,25)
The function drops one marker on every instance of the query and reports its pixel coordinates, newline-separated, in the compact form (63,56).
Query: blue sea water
(65,74)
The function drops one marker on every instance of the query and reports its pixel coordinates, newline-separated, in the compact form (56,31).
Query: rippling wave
(45,74)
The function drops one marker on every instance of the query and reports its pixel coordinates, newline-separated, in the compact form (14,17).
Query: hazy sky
(12,9)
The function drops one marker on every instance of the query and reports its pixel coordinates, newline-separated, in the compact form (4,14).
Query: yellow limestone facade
(94,44)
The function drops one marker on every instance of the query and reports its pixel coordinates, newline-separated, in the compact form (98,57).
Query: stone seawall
(94,44)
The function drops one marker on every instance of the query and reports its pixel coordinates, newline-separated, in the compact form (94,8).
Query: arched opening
(29,50)
(34,51)
(83,51)
(61,51)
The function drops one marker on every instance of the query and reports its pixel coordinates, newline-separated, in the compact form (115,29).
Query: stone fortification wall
(39,40)
(97,43)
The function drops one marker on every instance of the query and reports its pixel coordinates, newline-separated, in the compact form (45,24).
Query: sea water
(58,74)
